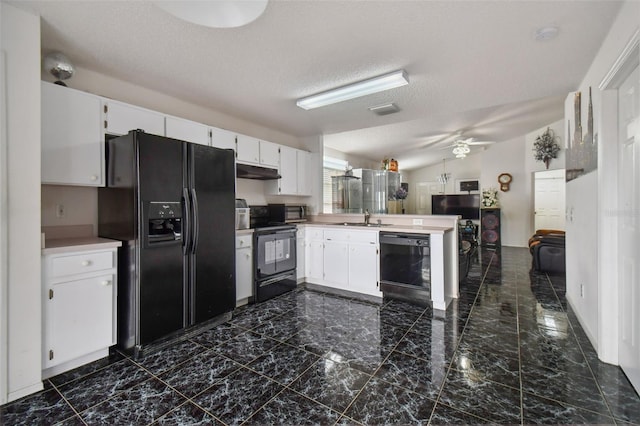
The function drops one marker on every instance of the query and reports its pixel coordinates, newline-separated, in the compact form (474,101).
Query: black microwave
(287,213)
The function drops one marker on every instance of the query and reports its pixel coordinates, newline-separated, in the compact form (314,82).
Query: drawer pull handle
(86,263)
(94,178)
(106,282)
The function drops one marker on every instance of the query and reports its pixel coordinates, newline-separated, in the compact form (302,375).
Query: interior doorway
(424,191)
(549,199)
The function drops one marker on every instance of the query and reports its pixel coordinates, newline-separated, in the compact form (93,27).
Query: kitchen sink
(370,225)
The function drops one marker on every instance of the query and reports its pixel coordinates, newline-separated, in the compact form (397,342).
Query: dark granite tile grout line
(519,355)
(381,363)
(464,327)
(573,332)
(76,413)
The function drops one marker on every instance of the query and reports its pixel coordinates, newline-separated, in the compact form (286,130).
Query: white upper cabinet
(294,171)
(187,130)
(224,139)
(269,154)
(303,172)
(248,149)
(288,184)
(72,140)
(120,118)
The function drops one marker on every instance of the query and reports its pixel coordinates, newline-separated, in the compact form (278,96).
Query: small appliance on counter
(242,214)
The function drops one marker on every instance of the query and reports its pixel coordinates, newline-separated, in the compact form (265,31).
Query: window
(331,167)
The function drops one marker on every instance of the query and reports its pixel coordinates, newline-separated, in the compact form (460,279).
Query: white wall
(80,205)
(465,168)
(21,327)
(597,311)
(516,207)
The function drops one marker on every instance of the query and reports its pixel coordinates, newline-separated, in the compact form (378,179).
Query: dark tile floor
(509,350)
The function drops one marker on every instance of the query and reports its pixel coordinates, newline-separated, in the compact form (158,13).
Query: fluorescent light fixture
(355,90)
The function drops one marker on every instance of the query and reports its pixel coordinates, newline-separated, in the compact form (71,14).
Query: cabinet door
(244,273)
(72,141)
(120,118)
(300,258)
(303,172)
(224,139)
(314,261)
(336,264)
(248,149)
(288,184)
(186,130)
(269,154)
(79,318)
(363,268)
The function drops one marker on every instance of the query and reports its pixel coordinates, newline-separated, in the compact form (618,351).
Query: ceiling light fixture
(355,90)
(215,14)
(461,150)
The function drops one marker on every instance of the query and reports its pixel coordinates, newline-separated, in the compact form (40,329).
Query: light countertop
(412,229)
(67,245)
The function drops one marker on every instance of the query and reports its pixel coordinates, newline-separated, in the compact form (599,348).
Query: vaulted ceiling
(473,66)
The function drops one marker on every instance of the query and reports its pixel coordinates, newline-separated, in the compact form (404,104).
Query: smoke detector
(545,33)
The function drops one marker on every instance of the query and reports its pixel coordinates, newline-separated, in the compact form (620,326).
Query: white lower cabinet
(336,263)
(79,308)
(244,267)
(300,253)
(347,259)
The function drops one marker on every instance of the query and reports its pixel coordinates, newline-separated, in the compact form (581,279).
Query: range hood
(245,171)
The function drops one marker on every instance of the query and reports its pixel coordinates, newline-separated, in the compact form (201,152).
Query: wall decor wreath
(546,147)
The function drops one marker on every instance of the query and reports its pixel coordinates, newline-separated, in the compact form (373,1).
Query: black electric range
(274,255)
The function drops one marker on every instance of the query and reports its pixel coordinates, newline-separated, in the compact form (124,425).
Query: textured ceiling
(472,65)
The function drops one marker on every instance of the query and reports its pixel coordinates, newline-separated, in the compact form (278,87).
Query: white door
(187,130)
(629,206)
(550,199)
(363,278)
(424,191)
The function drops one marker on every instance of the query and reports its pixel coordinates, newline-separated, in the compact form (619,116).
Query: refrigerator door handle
(196,221)
(187,231)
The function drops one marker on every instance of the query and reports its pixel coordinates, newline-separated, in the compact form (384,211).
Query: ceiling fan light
(351,91)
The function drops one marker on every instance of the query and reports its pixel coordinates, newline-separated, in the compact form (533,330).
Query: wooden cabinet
(72,139)
(79,308)
(224,139)
(120,118)
(187,130)
(244,268)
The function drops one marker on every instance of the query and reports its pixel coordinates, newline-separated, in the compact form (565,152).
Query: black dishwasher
(405,266)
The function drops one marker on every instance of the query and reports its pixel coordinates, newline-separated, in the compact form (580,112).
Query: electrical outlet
(417,221)
(60,210)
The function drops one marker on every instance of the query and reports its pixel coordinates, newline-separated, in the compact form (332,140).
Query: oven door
(275,253)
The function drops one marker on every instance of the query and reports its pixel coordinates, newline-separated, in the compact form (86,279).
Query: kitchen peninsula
(343,252)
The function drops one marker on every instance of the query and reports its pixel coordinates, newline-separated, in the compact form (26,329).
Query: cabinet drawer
(363,237)
(313,233)
(81,263)
(244,241)
(336,235)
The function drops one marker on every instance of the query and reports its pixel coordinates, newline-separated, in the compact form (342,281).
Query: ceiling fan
(461,146)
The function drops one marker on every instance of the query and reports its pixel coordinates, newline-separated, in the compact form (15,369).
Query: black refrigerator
(172,204)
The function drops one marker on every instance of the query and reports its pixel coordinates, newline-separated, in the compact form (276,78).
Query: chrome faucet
(367,216)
